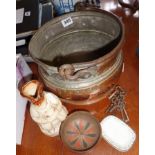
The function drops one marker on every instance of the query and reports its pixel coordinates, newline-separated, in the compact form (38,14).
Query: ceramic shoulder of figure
(46,108)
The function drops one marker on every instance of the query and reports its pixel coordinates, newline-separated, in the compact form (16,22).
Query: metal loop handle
(82,6)
(67,71)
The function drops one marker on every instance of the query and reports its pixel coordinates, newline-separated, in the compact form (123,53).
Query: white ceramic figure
(46,108)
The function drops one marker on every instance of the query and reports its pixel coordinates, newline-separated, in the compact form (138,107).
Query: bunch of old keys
(117,99)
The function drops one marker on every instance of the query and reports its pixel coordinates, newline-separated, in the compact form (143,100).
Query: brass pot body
(79,62)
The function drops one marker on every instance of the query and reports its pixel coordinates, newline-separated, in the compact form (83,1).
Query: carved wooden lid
(80,131)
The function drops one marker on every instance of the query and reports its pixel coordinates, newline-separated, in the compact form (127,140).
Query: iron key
(123,112)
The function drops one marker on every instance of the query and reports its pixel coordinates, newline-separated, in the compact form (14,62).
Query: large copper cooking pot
(79,61)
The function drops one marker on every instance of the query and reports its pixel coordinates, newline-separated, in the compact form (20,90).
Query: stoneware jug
(46,109)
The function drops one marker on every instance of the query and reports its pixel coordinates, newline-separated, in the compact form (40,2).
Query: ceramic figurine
(46,108)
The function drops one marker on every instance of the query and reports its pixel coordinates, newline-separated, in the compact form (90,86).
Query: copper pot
(80,61)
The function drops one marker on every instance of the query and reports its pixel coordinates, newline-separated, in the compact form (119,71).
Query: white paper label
(19,15)
(66,22)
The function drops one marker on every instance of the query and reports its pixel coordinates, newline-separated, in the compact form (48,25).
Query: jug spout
(33,91)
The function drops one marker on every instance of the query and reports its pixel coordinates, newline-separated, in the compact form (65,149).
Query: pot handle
(83,6)
(67,71)
(133,6)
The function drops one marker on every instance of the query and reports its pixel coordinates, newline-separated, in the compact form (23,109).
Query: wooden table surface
(36,143)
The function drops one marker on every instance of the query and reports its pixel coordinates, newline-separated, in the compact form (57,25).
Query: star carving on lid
(81,134)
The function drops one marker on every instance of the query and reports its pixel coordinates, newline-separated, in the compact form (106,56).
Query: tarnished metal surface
(83,83)
(81,56)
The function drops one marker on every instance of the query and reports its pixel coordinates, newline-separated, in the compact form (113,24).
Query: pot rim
(102,59)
